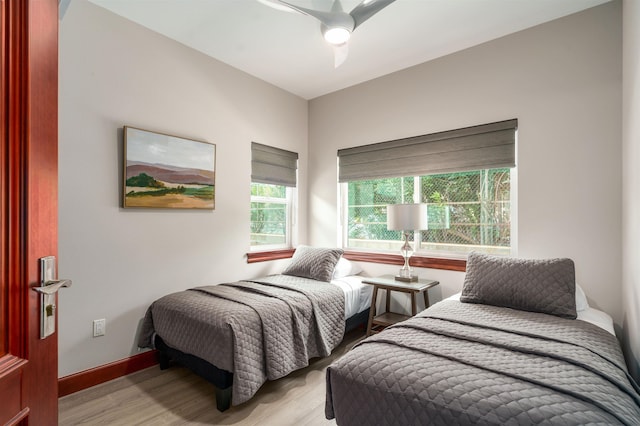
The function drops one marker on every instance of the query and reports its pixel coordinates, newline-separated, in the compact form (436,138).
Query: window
(466,211)
(464,176)
(273,193)
(270,216)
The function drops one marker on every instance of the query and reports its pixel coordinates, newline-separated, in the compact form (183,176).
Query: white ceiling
(287,49)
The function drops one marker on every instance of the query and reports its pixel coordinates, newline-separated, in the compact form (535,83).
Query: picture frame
(165,171)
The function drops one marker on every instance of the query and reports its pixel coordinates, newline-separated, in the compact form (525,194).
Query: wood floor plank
(178,397)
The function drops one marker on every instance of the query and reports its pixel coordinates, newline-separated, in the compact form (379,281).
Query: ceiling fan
(336,25)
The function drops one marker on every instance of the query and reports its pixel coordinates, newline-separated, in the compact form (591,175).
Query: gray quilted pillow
(313,262)
(546,285)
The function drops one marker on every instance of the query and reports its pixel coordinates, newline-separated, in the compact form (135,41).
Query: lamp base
(409,279)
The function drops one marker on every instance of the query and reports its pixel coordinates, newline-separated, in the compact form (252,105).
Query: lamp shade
(407,217)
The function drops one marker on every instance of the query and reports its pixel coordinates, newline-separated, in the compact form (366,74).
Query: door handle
(49,286)
(52,286)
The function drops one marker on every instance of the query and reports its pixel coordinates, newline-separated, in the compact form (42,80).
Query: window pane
(467,211)
(270,191)
(269,215)
(367,211)
(268,223)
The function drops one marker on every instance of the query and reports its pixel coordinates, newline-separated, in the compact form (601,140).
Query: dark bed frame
(222,379)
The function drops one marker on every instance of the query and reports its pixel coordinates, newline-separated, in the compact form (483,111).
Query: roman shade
(487,146)
(273,166)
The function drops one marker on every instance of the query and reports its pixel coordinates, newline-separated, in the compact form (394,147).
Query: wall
(631,184)
(115,73)
(562,81)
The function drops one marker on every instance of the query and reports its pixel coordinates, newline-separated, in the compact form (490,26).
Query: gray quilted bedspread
(459,363)
(259,330)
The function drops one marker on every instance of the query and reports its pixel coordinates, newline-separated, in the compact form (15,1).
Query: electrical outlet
(99,327)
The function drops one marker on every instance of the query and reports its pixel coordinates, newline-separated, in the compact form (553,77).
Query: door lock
(49,286)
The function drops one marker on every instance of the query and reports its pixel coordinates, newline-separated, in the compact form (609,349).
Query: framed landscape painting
(163,171)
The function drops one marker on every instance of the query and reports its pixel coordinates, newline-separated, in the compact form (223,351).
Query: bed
(238,335)
(520,345)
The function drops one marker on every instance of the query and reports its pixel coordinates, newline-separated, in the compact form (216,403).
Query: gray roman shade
(273,166)
(488,146)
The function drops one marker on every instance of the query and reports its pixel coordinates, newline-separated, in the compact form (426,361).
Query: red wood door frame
(29,211)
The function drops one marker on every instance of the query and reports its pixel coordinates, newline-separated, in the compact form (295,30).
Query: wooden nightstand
(387,282)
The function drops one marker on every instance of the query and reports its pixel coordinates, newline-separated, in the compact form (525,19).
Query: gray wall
(562,80)
(631,185)
(115,73)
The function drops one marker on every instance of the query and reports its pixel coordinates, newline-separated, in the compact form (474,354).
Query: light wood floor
(178,397)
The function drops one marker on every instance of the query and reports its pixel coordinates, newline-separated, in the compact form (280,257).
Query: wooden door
(28,206)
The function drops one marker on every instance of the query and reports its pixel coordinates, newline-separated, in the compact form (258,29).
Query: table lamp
(406,218)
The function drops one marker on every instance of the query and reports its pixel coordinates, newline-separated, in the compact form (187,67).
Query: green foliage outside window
(269,191)
(269,206)
(466,210)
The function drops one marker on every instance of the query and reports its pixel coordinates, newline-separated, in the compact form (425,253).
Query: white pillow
(581,299)
(344,268)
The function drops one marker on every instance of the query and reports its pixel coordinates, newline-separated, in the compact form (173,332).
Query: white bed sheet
(591,315)
(597,317)
(357,296)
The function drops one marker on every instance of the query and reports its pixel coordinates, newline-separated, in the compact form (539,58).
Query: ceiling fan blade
(367,9)
(327,18)
(336,7)
(275,4)
(340,54)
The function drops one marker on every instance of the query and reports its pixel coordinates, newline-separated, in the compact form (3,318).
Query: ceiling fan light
(337,35)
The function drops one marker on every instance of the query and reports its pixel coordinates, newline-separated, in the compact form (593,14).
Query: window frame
(291,213)
(421,257)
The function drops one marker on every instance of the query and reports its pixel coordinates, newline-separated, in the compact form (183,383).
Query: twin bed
(238,335)
(508,350)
